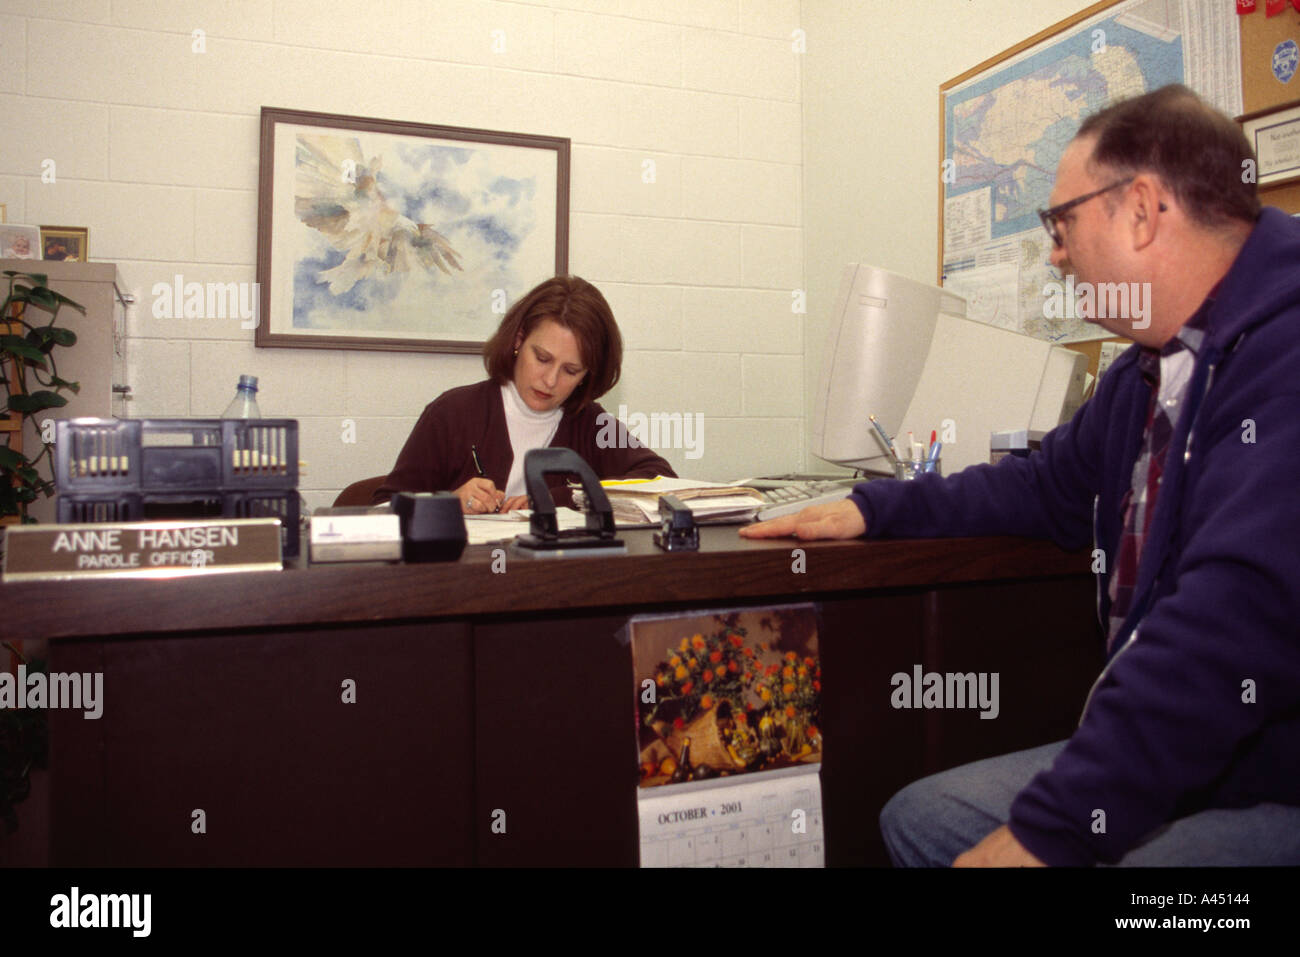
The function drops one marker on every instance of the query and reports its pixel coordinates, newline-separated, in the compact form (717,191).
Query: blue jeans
(931,821)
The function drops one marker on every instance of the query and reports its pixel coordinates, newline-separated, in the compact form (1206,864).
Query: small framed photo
(1275,135)
(65,243)
(20,242)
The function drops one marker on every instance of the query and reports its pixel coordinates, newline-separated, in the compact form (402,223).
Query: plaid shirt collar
(1189,337)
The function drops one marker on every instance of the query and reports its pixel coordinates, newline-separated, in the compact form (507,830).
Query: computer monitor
(876,347)
(904,351)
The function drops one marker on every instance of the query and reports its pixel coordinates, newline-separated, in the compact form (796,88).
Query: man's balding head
(1197,152)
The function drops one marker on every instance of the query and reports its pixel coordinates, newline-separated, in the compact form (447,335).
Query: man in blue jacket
(1182,471)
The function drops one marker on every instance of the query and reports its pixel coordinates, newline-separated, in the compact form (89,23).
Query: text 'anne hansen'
(129,548)
(110,539)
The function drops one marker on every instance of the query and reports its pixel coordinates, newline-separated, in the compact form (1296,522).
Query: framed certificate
(1275,135)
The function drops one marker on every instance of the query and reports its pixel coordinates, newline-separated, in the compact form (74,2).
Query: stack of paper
(636,501)
(491,529)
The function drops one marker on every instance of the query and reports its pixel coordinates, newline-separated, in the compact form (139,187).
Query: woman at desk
(556,351)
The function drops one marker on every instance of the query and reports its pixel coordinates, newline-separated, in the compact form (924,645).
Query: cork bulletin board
(1262,88)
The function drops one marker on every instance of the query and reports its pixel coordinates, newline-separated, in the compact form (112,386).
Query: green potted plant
(29,375)
(31,384)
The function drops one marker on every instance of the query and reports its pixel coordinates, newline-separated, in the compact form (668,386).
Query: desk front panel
(254,731)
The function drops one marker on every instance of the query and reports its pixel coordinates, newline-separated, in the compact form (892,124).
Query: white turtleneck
(528,430)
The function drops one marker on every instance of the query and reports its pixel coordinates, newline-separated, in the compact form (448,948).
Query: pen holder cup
(910,470)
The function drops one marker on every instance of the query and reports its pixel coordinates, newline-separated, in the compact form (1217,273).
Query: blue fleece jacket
(1199,705)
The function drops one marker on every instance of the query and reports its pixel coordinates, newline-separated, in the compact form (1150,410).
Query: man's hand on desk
(836,520)
(999,849)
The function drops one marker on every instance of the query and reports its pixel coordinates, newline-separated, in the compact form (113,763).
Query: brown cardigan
(436,457)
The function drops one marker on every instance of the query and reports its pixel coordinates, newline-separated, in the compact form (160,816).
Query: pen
(933,463)
(915,451)
(884,437)
(478,467)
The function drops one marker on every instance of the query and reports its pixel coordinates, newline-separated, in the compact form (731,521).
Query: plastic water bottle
(244,404)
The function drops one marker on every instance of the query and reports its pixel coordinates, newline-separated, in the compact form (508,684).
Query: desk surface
(726,565)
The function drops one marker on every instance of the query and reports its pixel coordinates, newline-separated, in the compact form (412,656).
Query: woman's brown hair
(578,306)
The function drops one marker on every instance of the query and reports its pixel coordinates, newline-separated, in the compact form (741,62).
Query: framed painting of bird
(402,236)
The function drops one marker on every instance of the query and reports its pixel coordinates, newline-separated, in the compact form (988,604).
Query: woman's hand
(510,504)
(479,496)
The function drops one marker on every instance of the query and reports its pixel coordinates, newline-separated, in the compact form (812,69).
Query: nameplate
(141,549)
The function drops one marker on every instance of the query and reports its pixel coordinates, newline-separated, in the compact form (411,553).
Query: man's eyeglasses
(1050,217)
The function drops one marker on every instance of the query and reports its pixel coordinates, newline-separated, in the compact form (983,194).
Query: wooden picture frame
(401,236)
(65,244)
(1277,131)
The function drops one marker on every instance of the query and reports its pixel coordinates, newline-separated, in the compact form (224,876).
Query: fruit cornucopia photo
(727,693)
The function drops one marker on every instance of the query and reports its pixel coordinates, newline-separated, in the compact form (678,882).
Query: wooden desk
(478,691)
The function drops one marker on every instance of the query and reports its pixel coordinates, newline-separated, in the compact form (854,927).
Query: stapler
(678,531)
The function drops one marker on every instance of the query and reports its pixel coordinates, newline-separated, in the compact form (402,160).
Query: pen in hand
(478,467)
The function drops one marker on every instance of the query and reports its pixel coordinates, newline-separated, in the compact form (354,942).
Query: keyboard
(795,497)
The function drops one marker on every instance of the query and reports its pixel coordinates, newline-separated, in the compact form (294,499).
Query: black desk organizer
(129,470)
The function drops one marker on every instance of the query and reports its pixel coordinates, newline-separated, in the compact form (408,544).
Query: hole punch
(545,539)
